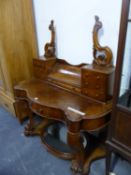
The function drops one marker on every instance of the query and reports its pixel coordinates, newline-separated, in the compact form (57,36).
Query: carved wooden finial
(50,47)
(97,18)
(98,24)
(51,26)
(102,55)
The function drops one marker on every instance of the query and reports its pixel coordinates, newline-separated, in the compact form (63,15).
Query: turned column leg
(108,160)
(29,128)
(75,140)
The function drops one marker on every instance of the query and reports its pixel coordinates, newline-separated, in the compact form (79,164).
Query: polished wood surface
(57,94)
(17,45)
(74,107)
(120,127)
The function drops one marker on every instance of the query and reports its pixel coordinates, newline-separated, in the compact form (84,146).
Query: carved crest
(102,55)
(50,47)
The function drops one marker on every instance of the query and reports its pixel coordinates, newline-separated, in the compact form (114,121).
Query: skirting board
(7,101)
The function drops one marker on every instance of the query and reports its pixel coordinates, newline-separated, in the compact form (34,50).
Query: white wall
(74,20)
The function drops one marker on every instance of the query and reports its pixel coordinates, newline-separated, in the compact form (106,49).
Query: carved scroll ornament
(50,47)
(102,55)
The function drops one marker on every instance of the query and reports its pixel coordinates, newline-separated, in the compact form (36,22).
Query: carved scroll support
(102,55)
(50,47)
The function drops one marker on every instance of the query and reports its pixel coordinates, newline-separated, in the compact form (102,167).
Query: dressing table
(79,96)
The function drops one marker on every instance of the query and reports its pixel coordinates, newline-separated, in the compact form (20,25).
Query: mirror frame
(120,56)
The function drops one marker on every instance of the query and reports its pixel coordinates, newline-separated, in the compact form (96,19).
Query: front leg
(75,140)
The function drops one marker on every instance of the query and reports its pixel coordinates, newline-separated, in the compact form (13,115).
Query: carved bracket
(50,47)
(102,55)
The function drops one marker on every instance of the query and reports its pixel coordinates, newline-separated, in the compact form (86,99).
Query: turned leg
(108,160)
(75,140)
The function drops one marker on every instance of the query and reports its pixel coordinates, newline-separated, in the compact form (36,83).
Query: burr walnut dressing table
(78,96)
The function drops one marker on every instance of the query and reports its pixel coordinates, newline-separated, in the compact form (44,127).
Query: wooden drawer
(94,79)
(95,85)
(43,111)
(97,82)
(94,93)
